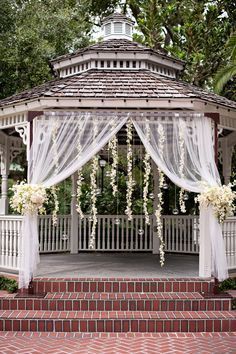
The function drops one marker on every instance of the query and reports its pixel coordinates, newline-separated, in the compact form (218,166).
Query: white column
(5,164)
(4,198)
(155,240)
(204,254)
(74,217)
(226,159)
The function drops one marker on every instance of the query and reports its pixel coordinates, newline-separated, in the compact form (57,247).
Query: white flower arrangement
(220,198)
(147,172)
(181,167)
(80,179)
(29,198)
(130,181)
(158,211)
(112,146)
(94,201)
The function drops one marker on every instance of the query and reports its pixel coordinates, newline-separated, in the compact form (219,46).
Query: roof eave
(41,103)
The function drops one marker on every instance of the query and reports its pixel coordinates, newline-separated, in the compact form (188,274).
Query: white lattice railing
(181,234)
(9,241)
(54,238)
(229,232)
(132,235)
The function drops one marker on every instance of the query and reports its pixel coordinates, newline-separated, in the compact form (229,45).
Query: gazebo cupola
(117,52)
(117,26)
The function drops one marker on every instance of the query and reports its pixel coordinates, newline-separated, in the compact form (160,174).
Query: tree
(227,71)
(33,32)
(194,31)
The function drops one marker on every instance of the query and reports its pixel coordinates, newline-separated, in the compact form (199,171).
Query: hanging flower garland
(160,196)
(220,198)
(93,179)
(130,181)
(181,167)
(80,179)
(29,198)
(56,162)
(56,205)
(113,147)
(147,172)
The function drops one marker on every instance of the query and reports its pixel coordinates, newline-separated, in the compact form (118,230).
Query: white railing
(181,235)
(229,232)
(9,241)
(116,233)
(54,238)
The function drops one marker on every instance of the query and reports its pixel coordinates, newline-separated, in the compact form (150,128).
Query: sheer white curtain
(62,144)
(199,166)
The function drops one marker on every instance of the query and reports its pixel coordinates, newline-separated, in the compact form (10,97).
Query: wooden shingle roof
(104,84)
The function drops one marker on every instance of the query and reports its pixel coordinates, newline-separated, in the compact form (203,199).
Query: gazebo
(98,90)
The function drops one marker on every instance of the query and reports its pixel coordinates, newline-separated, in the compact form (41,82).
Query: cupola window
(127,29)
(107,29)
(117,27)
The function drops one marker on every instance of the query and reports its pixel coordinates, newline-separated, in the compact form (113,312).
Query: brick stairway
(119,305)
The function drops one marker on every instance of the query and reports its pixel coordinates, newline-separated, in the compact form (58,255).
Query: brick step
(123,285)
(118,302)
(119,321)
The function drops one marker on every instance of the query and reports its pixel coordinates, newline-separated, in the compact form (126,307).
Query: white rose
(37,199)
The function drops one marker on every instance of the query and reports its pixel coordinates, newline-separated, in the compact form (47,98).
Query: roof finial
(117,26)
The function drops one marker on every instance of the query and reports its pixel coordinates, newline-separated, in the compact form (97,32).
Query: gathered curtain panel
(190,136)
(62,144)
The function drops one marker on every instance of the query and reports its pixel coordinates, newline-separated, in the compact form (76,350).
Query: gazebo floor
(116,265)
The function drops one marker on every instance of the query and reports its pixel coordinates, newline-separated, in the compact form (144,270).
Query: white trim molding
(12,120)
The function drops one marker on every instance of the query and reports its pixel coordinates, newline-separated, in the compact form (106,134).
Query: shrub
(9,285)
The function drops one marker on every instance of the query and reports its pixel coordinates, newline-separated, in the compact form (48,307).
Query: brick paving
(120,343)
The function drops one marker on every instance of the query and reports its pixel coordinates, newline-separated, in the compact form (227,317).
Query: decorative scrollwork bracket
(22,130)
